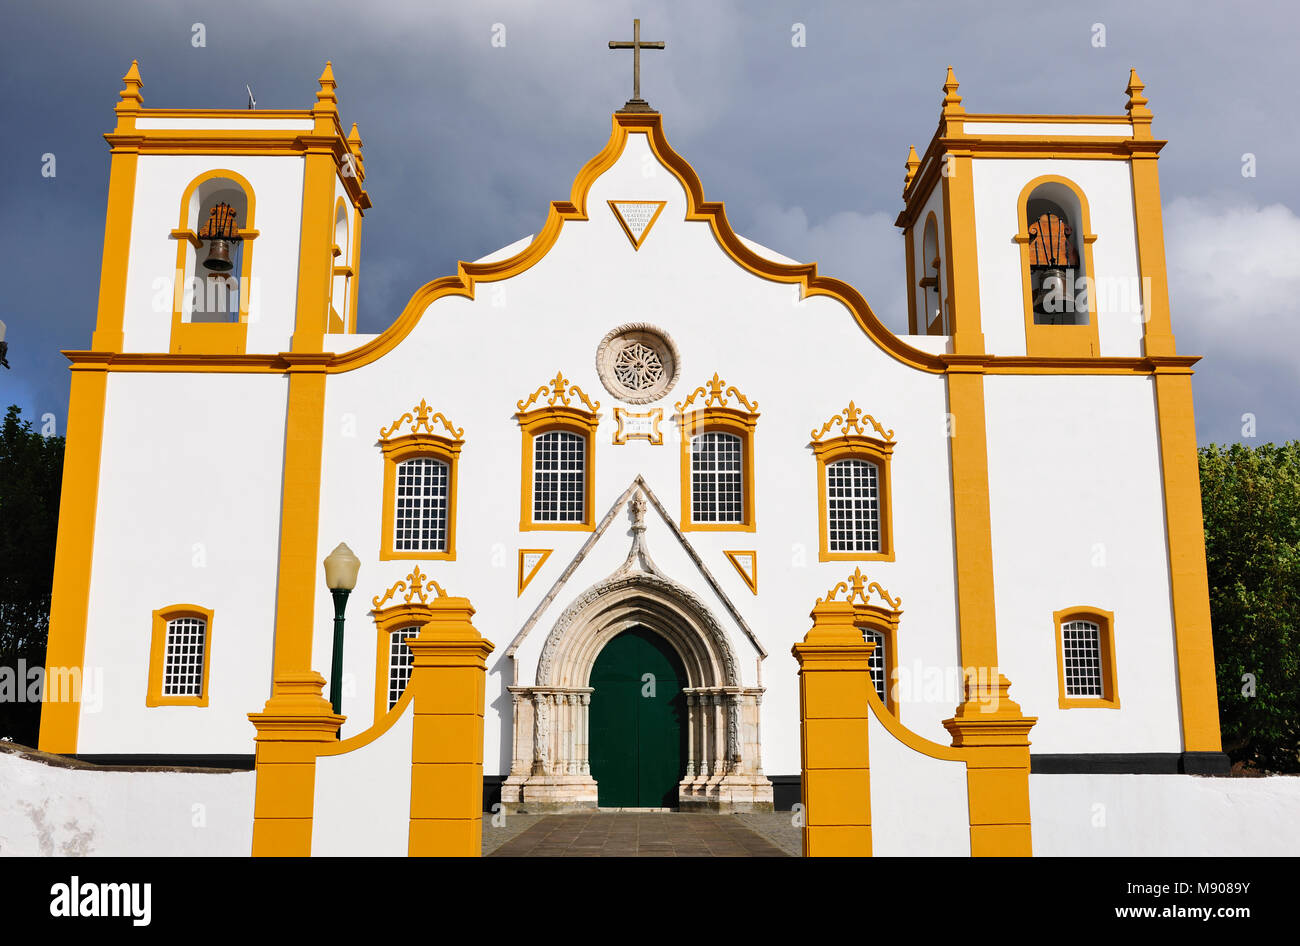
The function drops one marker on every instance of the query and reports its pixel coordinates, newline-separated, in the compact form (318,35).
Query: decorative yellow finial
(951,100)
(130,96)
(326,98)
(354,145)
(913,162)
(1138,112)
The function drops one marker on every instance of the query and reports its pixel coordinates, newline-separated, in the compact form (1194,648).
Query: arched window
(179,658)
(930,284)
(341,280)
(1085,658)
(717,458)
(400,662)
(214,252)
(422,501)
(559,477)
(419,503)
(558,485)
(717,478)
(879,663)
(853,486)
(1056,262)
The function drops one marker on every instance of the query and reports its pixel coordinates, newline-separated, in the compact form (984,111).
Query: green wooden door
(638,722)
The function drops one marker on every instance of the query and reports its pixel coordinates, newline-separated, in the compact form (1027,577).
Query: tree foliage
(31,473)
(1251,502)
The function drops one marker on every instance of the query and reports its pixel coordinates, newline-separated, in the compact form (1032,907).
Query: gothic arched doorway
(638,721)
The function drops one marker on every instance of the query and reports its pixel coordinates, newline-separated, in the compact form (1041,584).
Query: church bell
(219,256)
(220,231)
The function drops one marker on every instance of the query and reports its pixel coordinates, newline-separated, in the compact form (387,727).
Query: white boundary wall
(1164,815)
(50,810)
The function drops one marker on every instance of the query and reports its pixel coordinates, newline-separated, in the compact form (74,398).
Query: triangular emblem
(530,563)
(637,217)
(745,562)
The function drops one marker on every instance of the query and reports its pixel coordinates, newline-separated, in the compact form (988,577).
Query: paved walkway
(628,834)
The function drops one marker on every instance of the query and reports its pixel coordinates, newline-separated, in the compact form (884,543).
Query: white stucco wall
(48,810)
(369,786)
(1164,816)
(802,361)
(1077,514)
(188,513)
(918,803)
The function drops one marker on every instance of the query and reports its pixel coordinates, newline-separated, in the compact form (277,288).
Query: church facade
(643,447)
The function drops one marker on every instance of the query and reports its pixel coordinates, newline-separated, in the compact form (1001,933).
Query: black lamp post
(341,567)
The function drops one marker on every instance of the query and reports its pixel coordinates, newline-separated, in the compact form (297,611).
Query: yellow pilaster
(448,678)
(834,676)
(296,723)
(110,312)
(65,652)
(1189,583)
(994,737)
(316,238)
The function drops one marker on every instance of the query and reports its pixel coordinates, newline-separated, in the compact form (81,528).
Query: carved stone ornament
(637,363)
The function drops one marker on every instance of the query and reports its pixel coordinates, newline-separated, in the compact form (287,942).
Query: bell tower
(228,231)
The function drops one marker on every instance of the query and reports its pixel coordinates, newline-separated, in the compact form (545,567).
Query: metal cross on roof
(636,103)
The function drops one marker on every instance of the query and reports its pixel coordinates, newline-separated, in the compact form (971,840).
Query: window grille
(421,515)
(183,657)
(400,662)
(559,466)
(853,506)
(876,664)
(1081,641)
(716,478)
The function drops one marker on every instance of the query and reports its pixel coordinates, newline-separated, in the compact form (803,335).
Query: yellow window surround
(562,410)
(413,610)
(1058,340)
(855,442)
(1105,621)
(882,616)
(210,338)
(422,440)
(715,413)
(158,655)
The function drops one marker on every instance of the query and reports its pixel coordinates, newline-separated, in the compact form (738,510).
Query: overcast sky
(466,143)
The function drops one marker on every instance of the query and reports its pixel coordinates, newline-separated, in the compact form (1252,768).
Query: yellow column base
(994,737)
(296,723)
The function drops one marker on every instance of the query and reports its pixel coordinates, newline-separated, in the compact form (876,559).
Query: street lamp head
(341,567)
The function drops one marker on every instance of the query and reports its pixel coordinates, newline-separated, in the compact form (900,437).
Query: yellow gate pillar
(291,730)
(994,737)
(834,676)
(448,677)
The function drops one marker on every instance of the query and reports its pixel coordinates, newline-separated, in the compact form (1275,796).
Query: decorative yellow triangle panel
(745,562)
(530,563)
(637,217)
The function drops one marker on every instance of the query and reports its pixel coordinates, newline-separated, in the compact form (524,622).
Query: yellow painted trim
(1105,621)
(111,309)
(751,581)
(659,208)
(1188,582)
(909,257)
(295,603)
(355,282)
(73,554)
(158,655)
(408,447)
(376,729)
(878,453)
(387,621)
(542,420)
(210,338)
(1148,222)
(725,420)
(1076,341)
(961,263)
(526,579)
(315,262)
(655,416)
(972,521)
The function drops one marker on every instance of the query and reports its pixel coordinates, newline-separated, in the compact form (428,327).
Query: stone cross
(636,103)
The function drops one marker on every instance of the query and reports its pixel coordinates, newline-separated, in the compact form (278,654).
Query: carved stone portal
(550,769)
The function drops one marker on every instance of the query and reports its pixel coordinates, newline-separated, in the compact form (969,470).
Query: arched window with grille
(1085,658)
(558,482)
(420,475)
(718,482)
(401,661)
(853,488)
(180,656)
(1056,268)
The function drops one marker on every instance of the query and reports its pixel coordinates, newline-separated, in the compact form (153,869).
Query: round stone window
(637,363)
